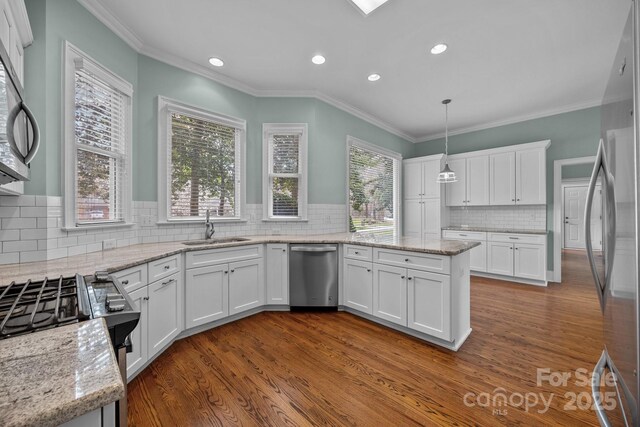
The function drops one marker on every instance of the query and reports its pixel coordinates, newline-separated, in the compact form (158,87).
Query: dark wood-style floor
(337,369)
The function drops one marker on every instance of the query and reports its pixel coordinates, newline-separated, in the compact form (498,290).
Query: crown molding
(512,120)
(19,12)
(113,23)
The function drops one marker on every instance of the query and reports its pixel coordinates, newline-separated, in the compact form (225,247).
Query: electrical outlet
(146,220)
(108,244)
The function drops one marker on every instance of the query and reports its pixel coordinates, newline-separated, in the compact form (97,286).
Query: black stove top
(38,305)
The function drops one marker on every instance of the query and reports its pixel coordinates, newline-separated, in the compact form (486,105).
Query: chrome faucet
(208,227)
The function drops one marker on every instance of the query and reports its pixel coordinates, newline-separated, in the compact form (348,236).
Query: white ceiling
(508,60)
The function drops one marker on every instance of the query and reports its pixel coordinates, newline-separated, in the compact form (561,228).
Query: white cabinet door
(390,293)
(412,178)
(246,285)
(277,274)
(529,261)
(431,217)
(358,285)
(478,257)
(138,355)
(457,191)
(165,312)
(502,179)
(477,179)
(531,178)
(429,303)
(206,294)
(500,258)
(412,217)
(430,187)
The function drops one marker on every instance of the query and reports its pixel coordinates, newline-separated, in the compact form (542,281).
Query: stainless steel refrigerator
(615,385)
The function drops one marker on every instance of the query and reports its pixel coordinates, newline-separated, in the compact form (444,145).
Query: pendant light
(446,175)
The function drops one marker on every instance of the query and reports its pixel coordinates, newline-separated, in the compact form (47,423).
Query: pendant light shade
(446,175)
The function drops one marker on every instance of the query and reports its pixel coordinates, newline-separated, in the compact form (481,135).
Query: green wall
(55,22)
(577,171)
(573,134)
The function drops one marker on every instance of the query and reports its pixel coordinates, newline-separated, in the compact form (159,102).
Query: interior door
(575,199)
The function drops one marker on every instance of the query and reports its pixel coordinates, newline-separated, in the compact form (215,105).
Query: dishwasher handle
(312,249)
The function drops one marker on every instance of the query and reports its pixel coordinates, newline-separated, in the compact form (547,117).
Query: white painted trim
(424,158)
(69,175)
(397,179)
(167,105)
(575,182)
(557,213)
(512,120)
(21,18)
(269,129)
(507,149)
(113,23)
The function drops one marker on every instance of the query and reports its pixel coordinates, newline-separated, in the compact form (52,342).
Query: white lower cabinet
(138,337)
(277,266)
(164,312)
(478,258)
(206,294)
(429,303)
(529,261)
(500,258)
(246,285)
(358,285)
(390,293)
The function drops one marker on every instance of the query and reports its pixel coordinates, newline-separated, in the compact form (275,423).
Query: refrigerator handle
(610,230)
(595,392)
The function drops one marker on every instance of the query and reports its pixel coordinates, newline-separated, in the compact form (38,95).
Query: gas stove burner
(24,321)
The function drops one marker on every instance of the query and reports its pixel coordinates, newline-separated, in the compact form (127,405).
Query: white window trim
(168,105)
(397,196)
(303,172)
(73,58)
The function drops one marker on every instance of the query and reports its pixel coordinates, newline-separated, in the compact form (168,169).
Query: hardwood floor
(337,369)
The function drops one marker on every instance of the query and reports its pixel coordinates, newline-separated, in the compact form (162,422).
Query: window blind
(284,174)
(371,191)
(101,137)
(202,167)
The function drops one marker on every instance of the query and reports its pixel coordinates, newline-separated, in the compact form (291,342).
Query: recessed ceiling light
(368,6)
(318,59)
(374,77)
(216,62)
(439,48)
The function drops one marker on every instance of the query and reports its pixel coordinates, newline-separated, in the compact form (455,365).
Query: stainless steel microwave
(19,133)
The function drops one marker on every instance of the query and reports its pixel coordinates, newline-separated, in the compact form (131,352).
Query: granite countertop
(130,256)
(496,230)
(50,377)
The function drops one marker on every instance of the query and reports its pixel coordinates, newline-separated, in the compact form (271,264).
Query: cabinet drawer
(163,267)
(464,235)
(436,263)
(217,256)
(358,252)
(534,239)
(132,278)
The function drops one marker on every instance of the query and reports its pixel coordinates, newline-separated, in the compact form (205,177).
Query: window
(199,163)
(285,171)
(97,167)
(373,188)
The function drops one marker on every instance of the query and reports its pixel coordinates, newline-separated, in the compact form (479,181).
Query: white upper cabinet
(531,182)
(472,187)
(412,178)
(477,178)
(502,178)
(457,191)
(423,205)
(431,189)
(419,177)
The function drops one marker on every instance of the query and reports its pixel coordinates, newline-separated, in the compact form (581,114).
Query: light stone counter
(496,230)
(129,256)
(50,377)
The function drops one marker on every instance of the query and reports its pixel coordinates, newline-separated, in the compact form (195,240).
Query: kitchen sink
(215,241)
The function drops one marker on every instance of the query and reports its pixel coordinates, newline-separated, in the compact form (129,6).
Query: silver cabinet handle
(232,271)
(168,282)
(166,267)
(514,238)
(145,298)
(402,277)
(406,260)
(356,252)
(409,278)
(368,270)
(610,231)
(312,249)
(226,272)
(463,235)
(125,282)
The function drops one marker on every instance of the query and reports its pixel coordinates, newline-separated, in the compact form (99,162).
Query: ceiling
(508,60)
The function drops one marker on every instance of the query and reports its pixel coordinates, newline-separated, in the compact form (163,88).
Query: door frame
(557,213)
(568,183)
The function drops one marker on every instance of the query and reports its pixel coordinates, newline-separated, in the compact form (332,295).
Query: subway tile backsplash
(30,228)
(508,217)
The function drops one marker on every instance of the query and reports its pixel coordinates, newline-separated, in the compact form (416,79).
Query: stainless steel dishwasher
(313,276)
